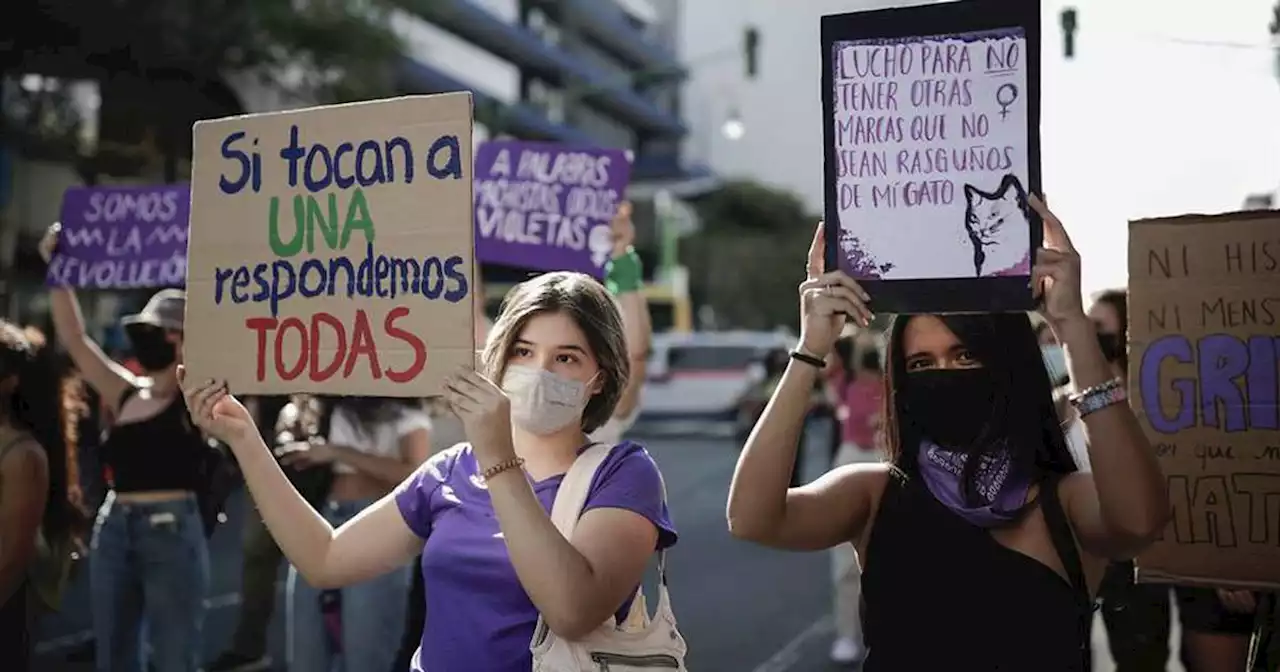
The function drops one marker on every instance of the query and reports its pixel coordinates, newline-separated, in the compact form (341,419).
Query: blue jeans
(373,615)
(149,562)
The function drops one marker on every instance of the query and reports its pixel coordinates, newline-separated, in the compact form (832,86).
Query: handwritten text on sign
(931,155)
(122,238)
(345,265)
(1206,372)
(546,206)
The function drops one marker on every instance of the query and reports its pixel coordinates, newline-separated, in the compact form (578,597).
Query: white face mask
(541,402)
(1055,360)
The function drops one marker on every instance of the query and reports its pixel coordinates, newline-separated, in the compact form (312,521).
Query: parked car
(710,376)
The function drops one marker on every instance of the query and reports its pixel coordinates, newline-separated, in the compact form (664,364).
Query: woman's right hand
(826,300)
(49,242)
(216,412)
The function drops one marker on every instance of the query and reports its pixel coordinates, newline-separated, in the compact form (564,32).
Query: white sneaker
(845,651)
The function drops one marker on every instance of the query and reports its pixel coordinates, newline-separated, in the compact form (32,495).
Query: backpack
(637,643)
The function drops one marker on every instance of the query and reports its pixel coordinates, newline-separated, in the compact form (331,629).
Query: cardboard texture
(331,249)
(1204,330)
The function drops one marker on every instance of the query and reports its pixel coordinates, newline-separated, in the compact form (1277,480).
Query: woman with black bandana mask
(150,559)
(980,544)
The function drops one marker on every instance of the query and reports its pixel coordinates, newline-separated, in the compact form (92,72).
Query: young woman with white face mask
(552,371)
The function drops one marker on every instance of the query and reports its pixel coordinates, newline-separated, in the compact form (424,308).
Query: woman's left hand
(486,415)
(1055,275)
(303,455)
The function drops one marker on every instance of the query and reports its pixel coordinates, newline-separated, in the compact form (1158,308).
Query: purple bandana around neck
(1004,494)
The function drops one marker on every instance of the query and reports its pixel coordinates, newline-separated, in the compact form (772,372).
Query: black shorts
(1200,610)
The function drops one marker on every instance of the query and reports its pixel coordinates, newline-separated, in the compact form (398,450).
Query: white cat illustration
(999,226)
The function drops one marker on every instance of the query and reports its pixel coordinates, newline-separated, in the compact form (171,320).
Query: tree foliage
(749,255)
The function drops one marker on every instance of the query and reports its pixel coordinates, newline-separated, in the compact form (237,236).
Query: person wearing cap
(150,555)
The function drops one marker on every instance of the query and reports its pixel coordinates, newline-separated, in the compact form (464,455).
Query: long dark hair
(370,412)
(1006,345)
(47,402)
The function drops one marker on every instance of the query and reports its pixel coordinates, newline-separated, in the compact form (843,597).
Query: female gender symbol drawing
(1005,95)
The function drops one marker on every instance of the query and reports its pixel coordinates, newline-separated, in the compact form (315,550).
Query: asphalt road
(741,608)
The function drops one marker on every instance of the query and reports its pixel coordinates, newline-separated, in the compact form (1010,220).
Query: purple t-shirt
(479,617)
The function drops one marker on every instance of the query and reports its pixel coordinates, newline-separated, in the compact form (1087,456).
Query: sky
(1146,122)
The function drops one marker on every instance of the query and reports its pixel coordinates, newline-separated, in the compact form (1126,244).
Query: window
(541,25)
(547,98)
(712,358)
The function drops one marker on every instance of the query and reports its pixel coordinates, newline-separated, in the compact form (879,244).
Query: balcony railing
(518,45)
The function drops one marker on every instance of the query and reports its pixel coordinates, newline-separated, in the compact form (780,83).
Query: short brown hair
(591,307)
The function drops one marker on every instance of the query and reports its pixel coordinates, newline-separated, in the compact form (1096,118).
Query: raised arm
(836,507)
(1122,506)
(108,379)
(373,543)
(625,279)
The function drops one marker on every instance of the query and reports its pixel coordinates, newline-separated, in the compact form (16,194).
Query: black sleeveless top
(941,594)
(163,452)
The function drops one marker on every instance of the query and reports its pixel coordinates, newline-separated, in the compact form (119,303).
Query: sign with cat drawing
(931,123)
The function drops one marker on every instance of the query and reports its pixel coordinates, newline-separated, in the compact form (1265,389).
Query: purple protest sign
(122,238)
(546,206)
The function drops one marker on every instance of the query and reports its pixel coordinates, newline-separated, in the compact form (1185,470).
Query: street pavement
(741,608)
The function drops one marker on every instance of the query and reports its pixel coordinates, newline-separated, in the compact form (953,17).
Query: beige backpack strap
(570,498)
(572,495)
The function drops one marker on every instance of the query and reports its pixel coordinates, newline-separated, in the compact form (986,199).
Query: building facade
(587,72)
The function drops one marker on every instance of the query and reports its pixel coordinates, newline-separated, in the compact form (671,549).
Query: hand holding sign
(826,300)
(215,411)
(49,242)
(485,411)
(1055,277)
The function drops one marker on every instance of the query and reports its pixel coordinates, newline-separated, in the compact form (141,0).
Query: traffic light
(751,51)
(1068,20)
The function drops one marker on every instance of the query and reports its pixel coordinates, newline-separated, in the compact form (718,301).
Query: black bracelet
(816,362)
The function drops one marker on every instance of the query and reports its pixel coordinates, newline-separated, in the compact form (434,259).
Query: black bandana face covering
(1111,346)
(951,407)
(152,348)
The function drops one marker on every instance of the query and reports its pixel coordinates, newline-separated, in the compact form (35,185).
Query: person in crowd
(149,546)
(373,444)
(839,371)
(283,420)
(624,278)
(552,371)
(40,521)
(979,505)
(861,402)
(1044,333)
(1216,624)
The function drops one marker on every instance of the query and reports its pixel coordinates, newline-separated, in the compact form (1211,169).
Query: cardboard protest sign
(122,238)
(546,206)
(931,119)
(331,249)
(1204,366)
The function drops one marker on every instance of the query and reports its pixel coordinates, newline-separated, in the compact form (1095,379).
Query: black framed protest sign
(931,121)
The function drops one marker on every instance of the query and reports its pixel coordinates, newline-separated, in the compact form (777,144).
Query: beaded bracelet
(1098,397)
(505,465)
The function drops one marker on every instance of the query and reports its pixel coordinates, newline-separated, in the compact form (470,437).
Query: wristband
(1098,397)
(624,273)
(816,362)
